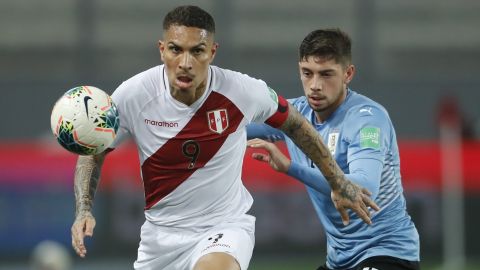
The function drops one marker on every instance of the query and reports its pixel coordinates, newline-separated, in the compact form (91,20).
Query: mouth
(184,81)
(316,100)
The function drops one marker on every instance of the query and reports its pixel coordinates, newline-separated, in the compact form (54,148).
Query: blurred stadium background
(418,58)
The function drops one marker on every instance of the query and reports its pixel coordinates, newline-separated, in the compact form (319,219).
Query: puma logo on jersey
(367,109)
(161,123)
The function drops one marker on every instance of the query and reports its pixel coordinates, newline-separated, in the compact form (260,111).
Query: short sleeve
(368,129)
(265,102)
(119,99)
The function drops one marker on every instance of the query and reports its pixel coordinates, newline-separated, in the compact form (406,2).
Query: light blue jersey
(361,137)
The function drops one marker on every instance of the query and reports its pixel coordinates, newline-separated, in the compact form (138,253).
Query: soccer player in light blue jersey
(361,137)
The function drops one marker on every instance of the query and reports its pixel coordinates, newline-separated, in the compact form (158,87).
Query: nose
(186,62)
(316,84)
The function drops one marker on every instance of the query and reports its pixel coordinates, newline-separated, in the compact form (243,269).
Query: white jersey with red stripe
(191,156)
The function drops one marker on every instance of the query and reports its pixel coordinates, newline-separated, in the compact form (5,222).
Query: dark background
(410,56)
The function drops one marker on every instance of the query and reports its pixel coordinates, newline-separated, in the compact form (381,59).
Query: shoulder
(226,78)
(240,87)
(362,107)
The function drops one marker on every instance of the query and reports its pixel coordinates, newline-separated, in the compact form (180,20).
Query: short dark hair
(190,16)
(329,43)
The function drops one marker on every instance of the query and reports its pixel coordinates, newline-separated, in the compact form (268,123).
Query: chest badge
(332,142)
(218,120)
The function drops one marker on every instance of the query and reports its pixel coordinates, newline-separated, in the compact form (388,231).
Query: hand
(275,158)
(352,196)
(82,226)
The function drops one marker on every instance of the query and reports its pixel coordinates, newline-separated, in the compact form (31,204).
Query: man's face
(324,82)
(187,53)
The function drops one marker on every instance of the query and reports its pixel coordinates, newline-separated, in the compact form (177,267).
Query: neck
(323,115)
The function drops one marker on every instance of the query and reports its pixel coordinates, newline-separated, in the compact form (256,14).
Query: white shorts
(173,248)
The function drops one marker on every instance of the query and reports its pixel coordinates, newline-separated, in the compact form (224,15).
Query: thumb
(89,227)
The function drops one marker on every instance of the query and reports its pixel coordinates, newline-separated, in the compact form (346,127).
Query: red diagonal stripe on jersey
(167,168)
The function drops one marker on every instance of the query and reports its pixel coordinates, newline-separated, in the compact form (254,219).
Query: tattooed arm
(87,175)
(345,194)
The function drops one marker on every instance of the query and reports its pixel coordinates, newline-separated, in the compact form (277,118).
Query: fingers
(366,192)
(344,214)
(359,205)
(80,229)
(257,143)
(89,227)
(364,209)
(369,202)
(77,239)
(260,157)
(365,216)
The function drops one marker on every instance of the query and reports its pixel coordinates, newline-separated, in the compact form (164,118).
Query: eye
(198,51)
(174,49)
(327,74)
(306,74)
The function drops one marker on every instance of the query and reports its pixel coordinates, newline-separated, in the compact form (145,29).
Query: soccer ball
(85,120)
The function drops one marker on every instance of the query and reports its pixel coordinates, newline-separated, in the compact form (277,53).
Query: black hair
(190,16)
(327,43)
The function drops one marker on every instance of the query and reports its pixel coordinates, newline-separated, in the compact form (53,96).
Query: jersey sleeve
(368,130)
(265,132)
(267,106)
(362,171)
(119,97)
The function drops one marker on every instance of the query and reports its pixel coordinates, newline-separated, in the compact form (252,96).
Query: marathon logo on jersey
(218,120)
(161,123)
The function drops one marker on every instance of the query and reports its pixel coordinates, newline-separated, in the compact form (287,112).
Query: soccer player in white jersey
(360,136)
(187,118)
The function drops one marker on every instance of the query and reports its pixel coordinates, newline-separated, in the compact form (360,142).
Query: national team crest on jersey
(333,141)
(218,120)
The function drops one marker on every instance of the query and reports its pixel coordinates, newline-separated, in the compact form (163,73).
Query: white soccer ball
(85,120)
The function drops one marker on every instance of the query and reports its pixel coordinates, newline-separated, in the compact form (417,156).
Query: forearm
(310,177)
(87,176)
(264,132)
(364,172)
(309,141)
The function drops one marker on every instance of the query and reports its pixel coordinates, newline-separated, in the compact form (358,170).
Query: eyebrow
(195,46)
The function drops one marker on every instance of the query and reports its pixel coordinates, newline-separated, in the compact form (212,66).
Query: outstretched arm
(264,132)
(87,175)
(345,194)
(363,171)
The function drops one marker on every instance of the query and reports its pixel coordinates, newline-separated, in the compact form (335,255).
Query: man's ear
(161,48)
(349,73)
(213,51)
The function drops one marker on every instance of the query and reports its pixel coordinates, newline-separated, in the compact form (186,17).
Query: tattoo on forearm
(310,142)
(87,175)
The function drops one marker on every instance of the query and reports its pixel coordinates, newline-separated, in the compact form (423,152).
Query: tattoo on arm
(87,176)
(310,142)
